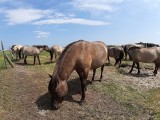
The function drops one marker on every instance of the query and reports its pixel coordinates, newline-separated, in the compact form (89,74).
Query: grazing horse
(80,56)
(16,49)
(145,55)
(117,53)
(32,51)
(57,50)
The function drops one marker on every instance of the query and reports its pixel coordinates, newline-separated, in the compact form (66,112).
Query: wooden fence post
(3,54)
(6,57)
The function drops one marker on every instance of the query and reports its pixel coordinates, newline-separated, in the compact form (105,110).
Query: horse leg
(38,60)
(25,59)
(156,68)
(83,78)
(34,59)
(56,56)
(16,56)
(94,72)
(116,61)
(19,53)
(102,68)
(120,61)
(138,68)
(51,54)
(108,59)
(132,67)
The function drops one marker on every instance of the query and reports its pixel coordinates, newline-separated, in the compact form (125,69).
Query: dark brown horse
(80,56)
(117,53)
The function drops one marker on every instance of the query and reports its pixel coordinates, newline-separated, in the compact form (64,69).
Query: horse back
(146,55)
(93,54)
(29,50)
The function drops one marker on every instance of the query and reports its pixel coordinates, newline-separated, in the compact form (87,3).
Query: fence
(6,58)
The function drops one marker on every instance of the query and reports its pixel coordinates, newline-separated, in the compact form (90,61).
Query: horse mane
(134,47)
(63,54)
(68,47)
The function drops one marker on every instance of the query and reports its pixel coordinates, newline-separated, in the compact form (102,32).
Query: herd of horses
(82,56)
(35,50)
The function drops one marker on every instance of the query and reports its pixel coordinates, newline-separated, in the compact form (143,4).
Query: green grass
(2,62)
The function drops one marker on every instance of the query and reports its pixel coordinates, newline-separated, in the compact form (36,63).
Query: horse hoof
(91,82)
(82,102)
(56,107)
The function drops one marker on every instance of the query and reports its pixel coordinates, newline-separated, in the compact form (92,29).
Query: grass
(2,62)
(133,99)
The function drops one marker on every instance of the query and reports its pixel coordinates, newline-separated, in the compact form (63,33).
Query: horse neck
(40,50)
(65,68)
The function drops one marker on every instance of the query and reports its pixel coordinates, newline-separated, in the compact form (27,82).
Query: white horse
(16,50)
(32,51)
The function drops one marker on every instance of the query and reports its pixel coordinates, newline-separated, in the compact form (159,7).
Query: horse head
(46,47)
(58,90)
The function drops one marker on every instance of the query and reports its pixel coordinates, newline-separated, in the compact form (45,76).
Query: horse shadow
(22,64)
(74,88)
(143,75)
(49,62)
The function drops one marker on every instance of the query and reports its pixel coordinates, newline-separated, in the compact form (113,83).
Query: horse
(145,55)
(148,44)
(80,56)
(16,49)
(127,46)
(32,51)
(117,53)
(140,44)
(57,50)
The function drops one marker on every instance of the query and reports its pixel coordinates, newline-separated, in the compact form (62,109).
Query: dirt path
(27,96)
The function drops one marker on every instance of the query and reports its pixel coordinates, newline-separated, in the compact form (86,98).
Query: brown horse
(80,56)
(145,55)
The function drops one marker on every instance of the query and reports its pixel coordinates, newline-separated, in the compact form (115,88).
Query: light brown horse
(57,50)
(80,56)
(145,55)
(32,51)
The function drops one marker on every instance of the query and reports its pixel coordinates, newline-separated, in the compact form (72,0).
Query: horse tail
(21,53)
(51,54)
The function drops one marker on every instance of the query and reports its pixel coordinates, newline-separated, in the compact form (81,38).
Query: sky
(60,22)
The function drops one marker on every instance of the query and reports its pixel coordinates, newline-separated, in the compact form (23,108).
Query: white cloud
(2,1)
(42,34)
(48,16)
(96,5)
(21,16)
(70,21)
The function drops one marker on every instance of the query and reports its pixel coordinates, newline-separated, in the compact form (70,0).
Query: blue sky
(60,22)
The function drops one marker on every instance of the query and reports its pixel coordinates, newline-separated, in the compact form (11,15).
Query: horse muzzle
(56,106)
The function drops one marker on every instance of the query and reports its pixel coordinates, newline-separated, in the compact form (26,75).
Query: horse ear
(50,75)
